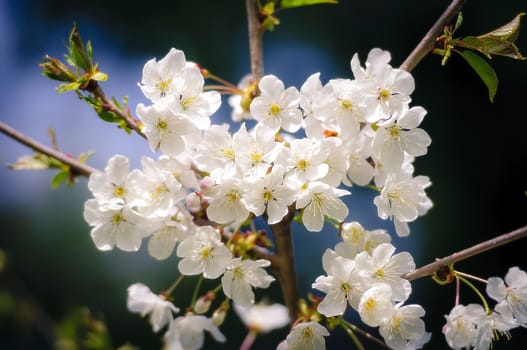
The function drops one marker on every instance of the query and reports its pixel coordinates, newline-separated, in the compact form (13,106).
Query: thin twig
(76,167)
(429,269)
(109,105)
(255,40)
(426,44)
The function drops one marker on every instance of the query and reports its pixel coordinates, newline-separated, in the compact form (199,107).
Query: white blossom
(305,336)
(277,107)
(141,300)
(342,285)
(160,78)
(383,266)
(405,330)
(355,239)
(376,306)
(461,329)
(163,128)
(203,252)
(241,275)
(512,292)
(263,318)
(111,188)
(272,194)
(114,227)
(188,332)
(319,200)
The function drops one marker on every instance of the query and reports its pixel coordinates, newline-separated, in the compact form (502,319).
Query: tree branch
(429,269)
(77,168)
(284,264)
(426,44)
(109,105)
(255,40)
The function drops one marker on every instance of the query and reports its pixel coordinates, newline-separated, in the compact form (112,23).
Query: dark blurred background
(48,263)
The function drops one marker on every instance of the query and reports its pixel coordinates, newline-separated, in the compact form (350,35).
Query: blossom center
(384,95)
(164,87)
(267,196)
(346,104)
(162,124)
(118,191)
(275,109)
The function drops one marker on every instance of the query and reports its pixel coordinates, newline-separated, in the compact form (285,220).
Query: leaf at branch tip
(298,3)
(484,70)
(77,51)
(497,42)
(508,32)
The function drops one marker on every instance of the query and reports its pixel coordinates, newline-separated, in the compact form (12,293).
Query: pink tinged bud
(206,184)
(193,202)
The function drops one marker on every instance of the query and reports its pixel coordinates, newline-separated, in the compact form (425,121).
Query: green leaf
(497,42)
(59,178)
(484,70)
(298,3)
(508,32)
(77,51)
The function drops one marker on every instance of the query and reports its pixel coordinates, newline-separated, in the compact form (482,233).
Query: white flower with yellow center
(277,107)
(376,306)
(461,328)
(111,188)
(393,140)
(319,200)
(305,336)
(342,285)
(403,199)
(241,276)
(405,330)
(114,227)
(383,266)
(225,202)
(203,253)
(512,293)
(163,128)
(161,77)
(271,194)
(192,102)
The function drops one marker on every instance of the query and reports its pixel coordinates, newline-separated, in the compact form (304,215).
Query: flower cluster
(475,326)
(371,282)
(359,131)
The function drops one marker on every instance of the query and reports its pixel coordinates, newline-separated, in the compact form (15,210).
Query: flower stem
(483,300)
(174,285)
(472,277)
(196,291)
(345,324)
(426,45)
(248,341)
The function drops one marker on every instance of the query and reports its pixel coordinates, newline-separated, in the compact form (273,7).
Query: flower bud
(193,202)
(56,70)
(218,317)
(203,303)
(206,184)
